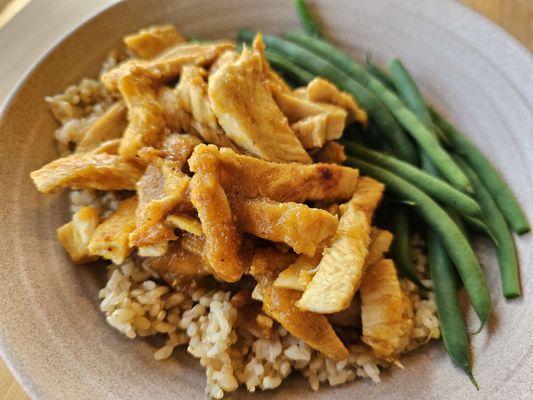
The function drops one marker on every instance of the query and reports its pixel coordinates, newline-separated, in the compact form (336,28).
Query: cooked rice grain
(137,305)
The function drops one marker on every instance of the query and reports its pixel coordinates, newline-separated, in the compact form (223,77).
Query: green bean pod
(505,246)
(409,93)
(280,63)
(379,74)
(452,238)
(452,326)
(478,226)
(401,245)
(419,132)
(434,187)
(308,23)
(487,173)
(401,143)
(385,78)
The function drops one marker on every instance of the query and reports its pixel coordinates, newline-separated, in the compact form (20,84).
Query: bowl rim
(500,36)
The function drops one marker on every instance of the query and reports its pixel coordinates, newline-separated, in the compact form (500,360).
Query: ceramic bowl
(52,333)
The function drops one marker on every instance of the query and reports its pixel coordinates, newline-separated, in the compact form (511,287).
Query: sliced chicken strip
(313,329)
(145,115)
(92,171)
(110,240)
(306,230)
(223,241)
(342,266)
(296,108)
(249,177)
(311,131)
(76,234)
(386,311)
(248,114)
(298,275)
(332,152)
(320,90)
(110,125)
(161,189)
(227,57)
(169,64)
(176,117)
(381,242)
(152,40)
(179,266)
(268,74)
(191,93)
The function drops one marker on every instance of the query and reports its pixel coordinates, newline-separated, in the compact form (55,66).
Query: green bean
(401,245)
(400,142)
(409,93)
(330,53)
(478,226)
(280,63)
(452,326)
(422,135)
(308,23)
(379,74)
(453,240)
(505,247)
(434,187)
(489,176)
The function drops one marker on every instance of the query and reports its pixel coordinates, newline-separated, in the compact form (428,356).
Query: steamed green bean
(505,247)
(491,178)
(434,187)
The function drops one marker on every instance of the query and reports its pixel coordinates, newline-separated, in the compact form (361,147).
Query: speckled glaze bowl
(52,333)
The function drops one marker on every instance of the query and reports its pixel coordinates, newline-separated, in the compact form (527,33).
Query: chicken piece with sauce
(76,235)
(322,91)
(183,265)
(111,238)
(327,119)
(169,64)
(314,329)
(342,266)
(306,230)
(87,171)
(250,177)
(152,40)
(248,114)
(110,125)
(162,190)
(386,311)
(223,240)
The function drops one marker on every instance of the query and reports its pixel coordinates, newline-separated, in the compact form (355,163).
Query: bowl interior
(52,332)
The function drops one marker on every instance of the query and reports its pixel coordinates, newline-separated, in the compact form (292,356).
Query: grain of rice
(164,352)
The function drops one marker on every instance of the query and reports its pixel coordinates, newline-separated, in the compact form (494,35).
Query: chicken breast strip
(313,329)
(306,230)
(248,177)
(94,171)
(249,115)
(342,266)
(386,312)
(223,241)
